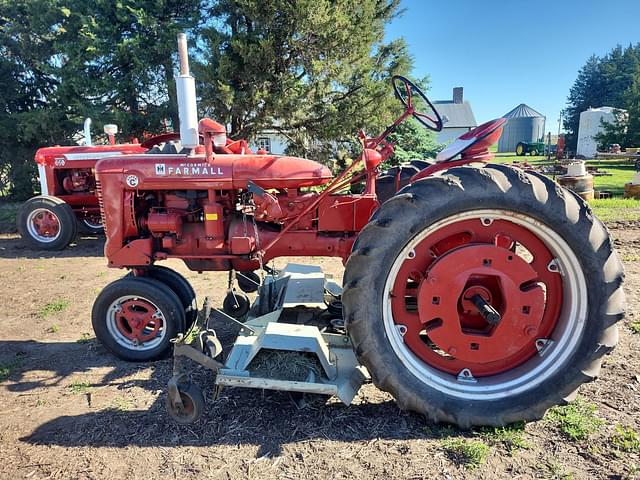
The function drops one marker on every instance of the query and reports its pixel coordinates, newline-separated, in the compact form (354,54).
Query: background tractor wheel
(392,180)
(193,405)
(47,223)
(180,286)
(91,226)
(521,149)
(483,296)
(533,152)
(135,318)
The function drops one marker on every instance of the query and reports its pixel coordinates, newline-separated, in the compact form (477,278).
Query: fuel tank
(225,172)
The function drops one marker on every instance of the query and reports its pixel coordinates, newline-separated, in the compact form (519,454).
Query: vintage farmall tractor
(478,294)
(68,201)
(67,197)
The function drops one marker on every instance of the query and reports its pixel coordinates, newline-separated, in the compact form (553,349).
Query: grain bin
(524,125)
(590,125)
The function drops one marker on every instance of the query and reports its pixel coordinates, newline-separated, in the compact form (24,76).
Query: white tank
(590,125)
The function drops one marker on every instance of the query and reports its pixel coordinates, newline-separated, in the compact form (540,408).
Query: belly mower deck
(293,339)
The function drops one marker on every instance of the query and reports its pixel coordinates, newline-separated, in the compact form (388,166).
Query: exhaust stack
(87,132)
(186,89)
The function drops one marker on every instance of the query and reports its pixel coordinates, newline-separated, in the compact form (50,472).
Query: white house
(271,141)
(457,116)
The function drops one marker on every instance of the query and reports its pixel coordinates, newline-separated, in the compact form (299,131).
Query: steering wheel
(417,103)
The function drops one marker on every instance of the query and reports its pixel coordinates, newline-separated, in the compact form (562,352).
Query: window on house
(264,143)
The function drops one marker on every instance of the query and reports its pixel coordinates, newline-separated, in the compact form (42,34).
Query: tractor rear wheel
(136,318)
(47,223)
(483,296)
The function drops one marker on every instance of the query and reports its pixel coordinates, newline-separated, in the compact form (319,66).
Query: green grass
(616,209)
(607,210)
(85,338)
(577,421)
(626,439)
(470,453)
(7,368)
(512,437)
(53,328)
(635,326)
(57,306)
(80,387)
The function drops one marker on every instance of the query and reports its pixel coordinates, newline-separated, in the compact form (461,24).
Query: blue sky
(509,52)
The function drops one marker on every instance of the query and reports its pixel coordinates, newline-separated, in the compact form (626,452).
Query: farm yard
(71,410)
(231,160)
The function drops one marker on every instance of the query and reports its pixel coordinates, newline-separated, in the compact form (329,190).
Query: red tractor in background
(477,294)
(68,197)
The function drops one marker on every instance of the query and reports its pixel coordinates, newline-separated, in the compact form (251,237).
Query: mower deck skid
(290,341)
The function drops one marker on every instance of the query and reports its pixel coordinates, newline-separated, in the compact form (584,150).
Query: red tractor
(68,198)
(478,294)
(68,192)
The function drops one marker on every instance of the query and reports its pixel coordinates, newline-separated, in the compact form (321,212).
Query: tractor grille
(101,205)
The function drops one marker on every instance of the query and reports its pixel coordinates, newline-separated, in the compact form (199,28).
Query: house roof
(456,115)
(523,111)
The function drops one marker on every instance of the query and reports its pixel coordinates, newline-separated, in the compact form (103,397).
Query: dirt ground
(71,410)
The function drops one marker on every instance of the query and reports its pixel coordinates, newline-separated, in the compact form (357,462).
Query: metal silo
(524,125)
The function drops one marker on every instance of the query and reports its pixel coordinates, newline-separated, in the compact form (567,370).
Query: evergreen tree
(312,70)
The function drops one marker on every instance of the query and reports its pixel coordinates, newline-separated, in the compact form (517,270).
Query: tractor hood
(226,172)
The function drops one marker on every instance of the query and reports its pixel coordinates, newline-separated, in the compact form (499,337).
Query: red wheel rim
(503,262)
(45,223)
(137,320)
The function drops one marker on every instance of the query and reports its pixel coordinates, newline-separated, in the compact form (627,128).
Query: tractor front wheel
(483,296)
(136,318)
(47,223)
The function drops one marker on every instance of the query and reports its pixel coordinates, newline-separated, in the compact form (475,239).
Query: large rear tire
(47,223)
(532,250)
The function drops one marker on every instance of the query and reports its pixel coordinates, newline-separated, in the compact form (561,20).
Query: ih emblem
(161,169)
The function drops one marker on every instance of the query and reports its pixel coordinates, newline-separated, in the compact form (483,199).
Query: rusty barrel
(632,190)
(581,184)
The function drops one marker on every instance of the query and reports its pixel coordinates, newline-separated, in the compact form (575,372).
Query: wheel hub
(453,322)
(475,295)
(137,320)
(43,225)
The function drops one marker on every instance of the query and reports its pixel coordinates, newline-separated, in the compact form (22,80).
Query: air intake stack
(187,108)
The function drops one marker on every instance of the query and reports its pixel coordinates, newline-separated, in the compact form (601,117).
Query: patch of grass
(85,338)
(51,308)
(616,209)
(7,368)
(512,437)
(626,439)
(577,421)
(635,326)
(470,453)
(80,387)
(555,471)
(53,328)
(122,404)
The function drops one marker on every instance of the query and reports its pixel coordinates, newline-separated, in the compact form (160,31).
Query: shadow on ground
(12,246)
(238,416)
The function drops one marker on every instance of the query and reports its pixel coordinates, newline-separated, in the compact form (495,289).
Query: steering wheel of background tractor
(413,99)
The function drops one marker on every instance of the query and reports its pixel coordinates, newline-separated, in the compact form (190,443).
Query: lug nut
(530,331)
